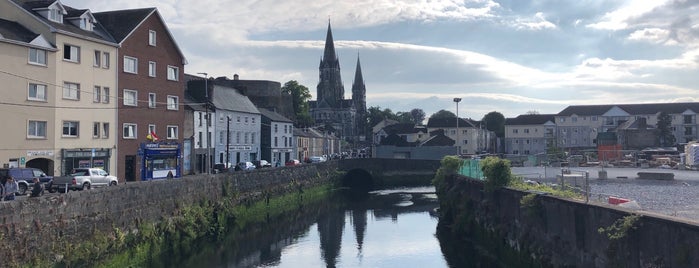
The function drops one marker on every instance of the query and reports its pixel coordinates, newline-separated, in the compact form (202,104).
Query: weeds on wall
(497,173)
(620,228)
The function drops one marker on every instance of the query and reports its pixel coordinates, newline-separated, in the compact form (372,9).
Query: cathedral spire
(329,54)
(358,78)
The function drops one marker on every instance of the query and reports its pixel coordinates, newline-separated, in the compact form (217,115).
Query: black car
(24,177)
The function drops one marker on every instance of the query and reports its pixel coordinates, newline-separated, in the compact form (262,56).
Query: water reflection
(392,228)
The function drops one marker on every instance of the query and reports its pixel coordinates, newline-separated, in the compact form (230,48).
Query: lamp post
(228,141)
(458,145)
(208,122)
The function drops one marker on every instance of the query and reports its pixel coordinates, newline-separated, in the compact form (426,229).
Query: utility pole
(458,145)
(208,123)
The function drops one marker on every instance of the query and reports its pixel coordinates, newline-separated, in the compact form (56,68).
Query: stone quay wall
(566,233)
(31,227)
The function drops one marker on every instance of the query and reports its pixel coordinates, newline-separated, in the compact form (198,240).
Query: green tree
(665,136)
(417,116)
(495,122)
(497,173)
(442,114)
(300,96)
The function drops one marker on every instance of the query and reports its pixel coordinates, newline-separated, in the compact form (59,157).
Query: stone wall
(564,233)
(30,227)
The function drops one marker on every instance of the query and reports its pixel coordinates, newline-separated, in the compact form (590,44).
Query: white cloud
(538,22)
(619,19)
(653,35)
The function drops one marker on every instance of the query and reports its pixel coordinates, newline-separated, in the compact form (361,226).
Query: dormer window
(55,15)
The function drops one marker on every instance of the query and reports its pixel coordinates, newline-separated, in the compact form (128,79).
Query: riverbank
(80,228)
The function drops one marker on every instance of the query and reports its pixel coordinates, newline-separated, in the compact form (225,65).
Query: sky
(510,56)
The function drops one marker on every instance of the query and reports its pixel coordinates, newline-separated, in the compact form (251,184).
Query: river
(386,228)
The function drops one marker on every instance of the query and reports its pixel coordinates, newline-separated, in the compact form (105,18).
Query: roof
(98,33)
(447,122)
(395,140)
(404,128)
(15,31)
(231,100)
(439,140)
(635,109)
(273,116)
(121,23)
(530,119)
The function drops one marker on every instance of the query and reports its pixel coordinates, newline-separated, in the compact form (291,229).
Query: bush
(497,173)
(449,165)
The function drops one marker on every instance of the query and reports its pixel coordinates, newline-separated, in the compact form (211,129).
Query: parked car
(222,167)
(262,164)
(292,162)
(24,178)
(245,166)
(84,179)
(317,159)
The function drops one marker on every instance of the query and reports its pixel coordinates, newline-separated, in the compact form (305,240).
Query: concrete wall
(423,152)
(35,225)
(564,233)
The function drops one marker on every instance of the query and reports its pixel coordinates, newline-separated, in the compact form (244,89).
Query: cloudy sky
(509,56)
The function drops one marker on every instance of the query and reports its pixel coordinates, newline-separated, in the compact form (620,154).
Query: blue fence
(471,168)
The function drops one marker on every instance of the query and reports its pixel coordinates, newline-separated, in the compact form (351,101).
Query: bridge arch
(358,180)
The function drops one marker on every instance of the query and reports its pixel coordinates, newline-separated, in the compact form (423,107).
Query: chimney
(235,77)
(642,124)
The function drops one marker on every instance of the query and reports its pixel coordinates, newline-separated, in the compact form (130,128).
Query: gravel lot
(678,197)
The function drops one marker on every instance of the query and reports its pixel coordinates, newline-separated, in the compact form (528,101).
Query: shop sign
(39,153)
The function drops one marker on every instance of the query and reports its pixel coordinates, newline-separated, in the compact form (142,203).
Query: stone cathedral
(347,117)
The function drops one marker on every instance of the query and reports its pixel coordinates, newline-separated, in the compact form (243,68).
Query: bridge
(368,173)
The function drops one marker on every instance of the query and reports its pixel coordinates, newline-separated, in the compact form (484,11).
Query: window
(36,129)
(688,119)
(201,119)
(105,130)
(151,100)
(246,138)
(37,92)
(688,131)
(285,129)
(71,91)
(130,97)
(172,102)
(70,128)
(37,56)
(276,128)
(105,60)
(96,129)
(151,38)
(71,53)
(130,65)
(275,142)
(55,15)
(253,120)
(173,73)
(97,94)
(574,119)
(105,95)
(237,137)
(563,119)
(129,131)
(246,120)
(238,119)
(151,68)
(151,129)
(97,62)
(593,118)
(221,135)
(515,131)
(252,138)
(526,130)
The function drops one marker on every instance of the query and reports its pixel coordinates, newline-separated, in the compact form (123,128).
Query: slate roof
(273,116)
(404,128)
(530,119)
(230,99)
(439,140)
(15,31)
(396,140)
(448,122)
(635,109)
(121,23)
(98,32)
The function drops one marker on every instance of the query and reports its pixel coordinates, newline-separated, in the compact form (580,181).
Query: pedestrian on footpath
(11,189)
(38,189)
(2,189)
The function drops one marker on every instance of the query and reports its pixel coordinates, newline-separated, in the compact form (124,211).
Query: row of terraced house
(109,90)
(575,129)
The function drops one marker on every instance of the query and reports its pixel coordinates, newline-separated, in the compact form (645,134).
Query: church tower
(359,98)
(330,90)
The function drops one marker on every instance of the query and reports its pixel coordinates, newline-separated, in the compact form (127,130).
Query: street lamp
(208,122)
(458,145)
(228,141)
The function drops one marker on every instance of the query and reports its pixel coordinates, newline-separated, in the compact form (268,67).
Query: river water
(386,228)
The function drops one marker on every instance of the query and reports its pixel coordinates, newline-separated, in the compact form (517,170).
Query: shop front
(85,158)
(158,159)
